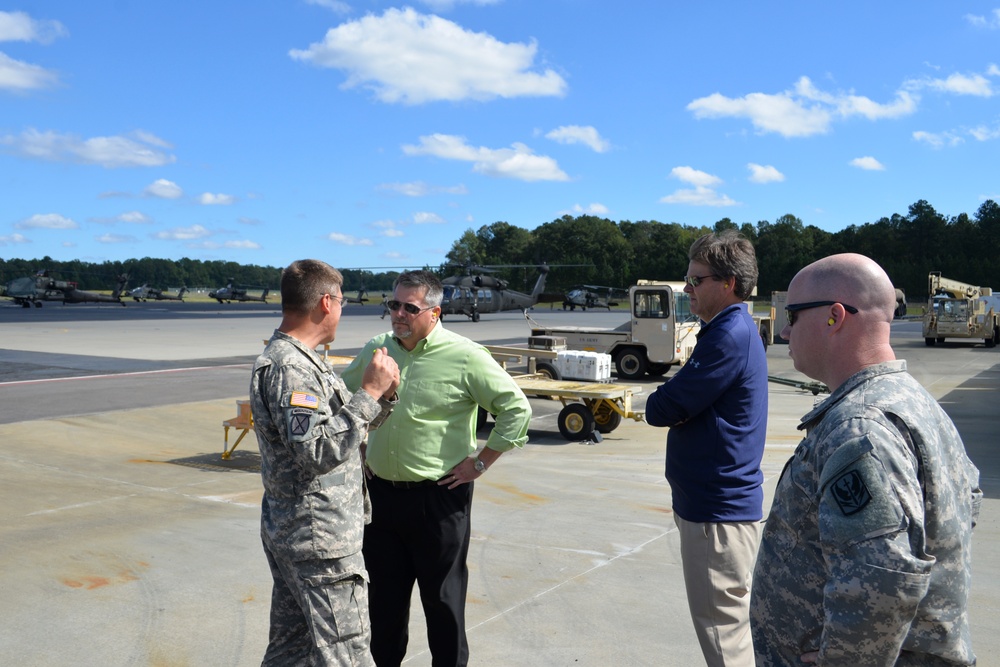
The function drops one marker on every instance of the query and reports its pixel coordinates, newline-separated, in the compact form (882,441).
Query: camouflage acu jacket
(866,555)
(309,428)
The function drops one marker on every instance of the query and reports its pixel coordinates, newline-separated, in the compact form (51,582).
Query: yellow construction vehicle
(959,310)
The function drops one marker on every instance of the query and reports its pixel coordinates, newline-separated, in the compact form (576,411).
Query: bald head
(853,279)
(842,322)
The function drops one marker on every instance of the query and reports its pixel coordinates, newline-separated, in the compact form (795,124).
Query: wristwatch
(479,465)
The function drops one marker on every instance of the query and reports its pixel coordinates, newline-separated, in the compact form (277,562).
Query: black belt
(406,485)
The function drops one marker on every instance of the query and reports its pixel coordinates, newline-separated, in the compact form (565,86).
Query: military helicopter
(146,292)
(592,296)
(475,293)
(30,291)
(231,293)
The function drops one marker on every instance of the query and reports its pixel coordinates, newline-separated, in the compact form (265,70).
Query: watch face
(480,466)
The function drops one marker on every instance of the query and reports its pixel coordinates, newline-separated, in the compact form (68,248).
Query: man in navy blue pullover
(716,408)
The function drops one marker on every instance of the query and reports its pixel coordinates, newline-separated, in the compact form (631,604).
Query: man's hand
(381,377)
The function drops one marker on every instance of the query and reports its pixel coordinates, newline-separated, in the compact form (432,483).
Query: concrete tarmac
(125,539)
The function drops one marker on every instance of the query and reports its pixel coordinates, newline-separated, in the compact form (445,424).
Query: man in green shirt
(421,465)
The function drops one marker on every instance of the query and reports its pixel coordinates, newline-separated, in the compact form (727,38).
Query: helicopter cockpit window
(449,292)
(485,295)
(651,305)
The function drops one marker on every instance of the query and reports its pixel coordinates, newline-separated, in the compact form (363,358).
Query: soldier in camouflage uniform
(866,555)
(309,428)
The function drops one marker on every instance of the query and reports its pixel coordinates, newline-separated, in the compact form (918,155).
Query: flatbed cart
(589,408)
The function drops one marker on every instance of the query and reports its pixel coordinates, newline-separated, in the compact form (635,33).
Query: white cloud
(764,174)
(517,162)
(214,245)
(421,189)
(13,239)
(333,5)
(183,233)
(242,245)
(577,134)
(115,238)
(163,189)
(20,27)
(694,177)
(990,22)
(801,112)
(392,233)
(107,152)
(867,163)
(703,194)
(590,209)
(17,75)
(347,239)
(210,199)
(249,221)
(412,58)
(129,217)
(958,84)
(983,133)
(937,140)
(425,218)
(699,196)
(446,5)
(47,221)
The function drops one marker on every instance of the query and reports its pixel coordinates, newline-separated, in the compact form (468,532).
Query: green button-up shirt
(433,427)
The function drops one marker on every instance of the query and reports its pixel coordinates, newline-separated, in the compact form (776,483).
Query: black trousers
(419,533)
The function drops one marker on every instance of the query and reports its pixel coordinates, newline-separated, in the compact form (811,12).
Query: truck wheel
(929,342)
(545,368)
(631,363)
(606,418)
(576,422)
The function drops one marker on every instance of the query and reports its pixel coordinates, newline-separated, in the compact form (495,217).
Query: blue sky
(374,134)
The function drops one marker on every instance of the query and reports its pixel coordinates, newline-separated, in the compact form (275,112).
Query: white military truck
(959,310)
(660,331)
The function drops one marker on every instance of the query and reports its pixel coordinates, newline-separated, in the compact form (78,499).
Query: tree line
(592,250)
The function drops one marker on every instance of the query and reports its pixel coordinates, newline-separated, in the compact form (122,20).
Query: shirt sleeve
(496,391)
(697,384)
(877,573)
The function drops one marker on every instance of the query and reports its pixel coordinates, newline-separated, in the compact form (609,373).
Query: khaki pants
(718,561)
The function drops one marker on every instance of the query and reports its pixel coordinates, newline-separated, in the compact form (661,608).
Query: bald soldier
(866,555)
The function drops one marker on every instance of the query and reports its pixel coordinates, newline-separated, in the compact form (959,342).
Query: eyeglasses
(694,281)
(341,298)
(410,308)
(793,308)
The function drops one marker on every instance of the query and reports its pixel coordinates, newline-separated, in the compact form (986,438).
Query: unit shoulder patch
(850,492)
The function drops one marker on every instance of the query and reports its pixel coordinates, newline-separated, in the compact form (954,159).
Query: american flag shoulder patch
(303,400)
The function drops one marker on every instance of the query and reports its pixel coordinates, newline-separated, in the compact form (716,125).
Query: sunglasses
(793,308)
(412,309)
(694,281)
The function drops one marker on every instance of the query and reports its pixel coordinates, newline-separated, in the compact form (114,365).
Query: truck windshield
(682,307)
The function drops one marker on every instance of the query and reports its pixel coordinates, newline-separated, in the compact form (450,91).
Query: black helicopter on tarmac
(146,293)
(34,290)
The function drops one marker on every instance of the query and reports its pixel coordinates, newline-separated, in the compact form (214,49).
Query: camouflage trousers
(319,613)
